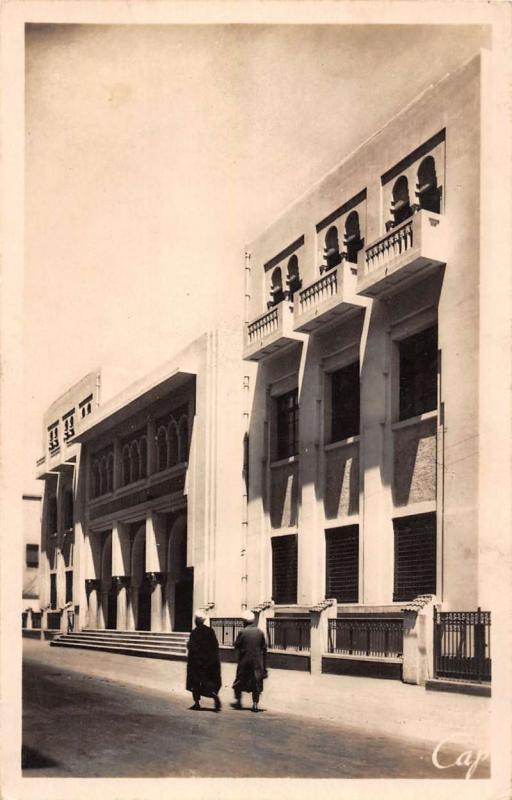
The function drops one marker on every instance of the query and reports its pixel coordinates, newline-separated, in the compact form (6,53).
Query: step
(120,632)
(168,655)
(164,648)
(155,637)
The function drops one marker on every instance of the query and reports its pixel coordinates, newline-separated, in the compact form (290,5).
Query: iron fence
(36,619)
(226,629)
(289,633)
(462,645)
(366,637)
(53,620)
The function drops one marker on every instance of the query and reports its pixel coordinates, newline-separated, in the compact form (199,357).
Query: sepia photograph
(263,471)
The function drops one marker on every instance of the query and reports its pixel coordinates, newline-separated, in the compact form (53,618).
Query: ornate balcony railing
(269,332)
(462,645)
(226,629)
(328,298)
(411,249)
(289,633)
(263,326)
(366,637)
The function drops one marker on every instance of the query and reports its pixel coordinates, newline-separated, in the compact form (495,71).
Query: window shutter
(284,569)
(415,556)
(342,564)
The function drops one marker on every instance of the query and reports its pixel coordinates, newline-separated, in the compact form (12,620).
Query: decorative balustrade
(263,326)
(381,637)
(289,633)
(226,629)
(315,293)
(462,645)
(398,241)
(408,251)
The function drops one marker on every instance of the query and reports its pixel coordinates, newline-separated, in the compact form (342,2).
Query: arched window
(352,239)
(332,255)
(183,439)
(173,443)
(126,464)
(95,479)
(143,452)
(276,288)
(293,278)
(110,472)
(400,204)
(427,190)
(134,462)
(161,448)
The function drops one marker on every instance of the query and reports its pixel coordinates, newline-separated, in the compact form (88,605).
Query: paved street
(81,725)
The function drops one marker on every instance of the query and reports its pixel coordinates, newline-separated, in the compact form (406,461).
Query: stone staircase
(148,644)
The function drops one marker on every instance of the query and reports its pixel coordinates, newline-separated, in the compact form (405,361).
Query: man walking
(251,649)
(203,663)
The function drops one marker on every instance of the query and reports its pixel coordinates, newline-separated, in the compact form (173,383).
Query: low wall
(363,667)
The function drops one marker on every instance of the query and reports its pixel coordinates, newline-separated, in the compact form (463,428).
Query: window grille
(415,556)
(342,564)
(284,569)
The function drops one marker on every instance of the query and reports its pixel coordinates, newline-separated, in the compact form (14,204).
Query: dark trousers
(255,696)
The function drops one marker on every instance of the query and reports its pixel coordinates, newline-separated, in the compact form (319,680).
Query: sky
(155,153)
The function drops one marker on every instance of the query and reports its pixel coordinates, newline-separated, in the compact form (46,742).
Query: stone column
(157,580)
(122,584)
(320,616)
(92,588)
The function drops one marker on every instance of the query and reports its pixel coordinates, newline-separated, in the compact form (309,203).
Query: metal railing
(53,620)
(36,619)
(462,645)
(289,633)
(226,629)
(383,637)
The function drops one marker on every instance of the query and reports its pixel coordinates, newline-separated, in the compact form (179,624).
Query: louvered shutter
(284,569)
(415,556)
(342,564)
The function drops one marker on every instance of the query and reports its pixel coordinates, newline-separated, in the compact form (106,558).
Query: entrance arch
(180,581)
(141,587)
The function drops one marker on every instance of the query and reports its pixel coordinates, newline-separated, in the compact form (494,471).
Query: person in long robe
(203,663)
(251,670)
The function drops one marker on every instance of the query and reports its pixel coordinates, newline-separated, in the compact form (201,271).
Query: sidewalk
(385,707)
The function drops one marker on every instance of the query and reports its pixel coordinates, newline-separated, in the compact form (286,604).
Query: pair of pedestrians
(203,663)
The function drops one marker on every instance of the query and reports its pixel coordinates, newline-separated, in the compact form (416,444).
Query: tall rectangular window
(415,556)
(342,564)
(52,514)
(68,509)
(287,424)
(418,373)
(345,402)
(284,569)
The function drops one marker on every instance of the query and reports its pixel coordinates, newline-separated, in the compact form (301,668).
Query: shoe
(218,704)
(237,705)
(195,707)
(255,708)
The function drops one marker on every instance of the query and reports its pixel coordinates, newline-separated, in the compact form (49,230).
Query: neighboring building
(141,503)
(331,484)
(31,540)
